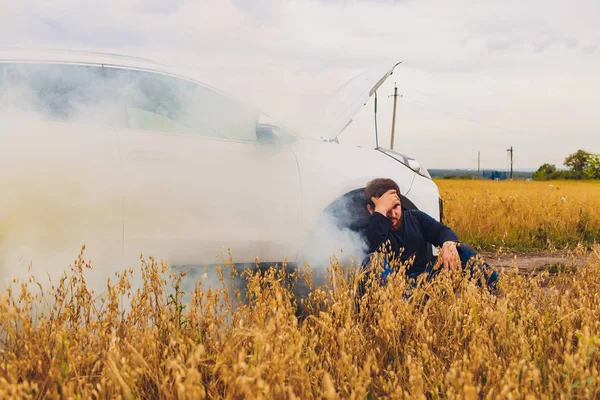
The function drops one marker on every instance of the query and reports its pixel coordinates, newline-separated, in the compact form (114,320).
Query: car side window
(56,92)
(162,103)
(134,99)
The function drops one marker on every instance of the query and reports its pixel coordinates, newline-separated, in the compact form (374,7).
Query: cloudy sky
(476,76)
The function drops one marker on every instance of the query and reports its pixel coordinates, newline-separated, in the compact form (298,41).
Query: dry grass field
(141,337)
(522,215)
(450,339)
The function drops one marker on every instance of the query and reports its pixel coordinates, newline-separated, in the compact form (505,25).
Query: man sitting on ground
(408,233)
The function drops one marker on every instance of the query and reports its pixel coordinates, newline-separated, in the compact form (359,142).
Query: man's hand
(386,202)
(449,255)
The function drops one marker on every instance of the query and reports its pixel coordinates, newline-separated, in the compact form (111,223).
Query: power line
(433,96)
(437,108)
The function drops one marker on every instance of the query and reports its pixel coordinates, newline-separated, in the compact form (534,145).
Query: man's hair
(377,188)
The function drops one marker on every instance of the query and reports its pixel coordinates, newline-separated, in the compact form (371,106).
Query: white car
(130,158)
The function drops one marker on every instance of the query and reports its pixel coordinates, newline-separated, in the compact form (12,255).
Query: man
(407,234)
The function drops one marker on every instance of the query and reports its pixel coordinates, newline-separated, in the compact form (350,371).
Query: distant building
(472,174)
(495,175)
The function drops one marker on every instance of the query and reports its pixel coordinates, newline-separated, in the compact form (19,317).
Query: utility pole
(478,165)
(510,151)
(395,96)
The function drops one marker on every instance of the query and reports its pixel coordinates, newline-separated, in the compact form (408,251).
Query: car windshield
(124,98)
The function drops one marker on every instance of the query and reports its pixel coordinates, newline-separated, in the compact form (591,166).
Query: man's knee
(466,251)
(468,255)
(471,259)
(366,262)
(376,263)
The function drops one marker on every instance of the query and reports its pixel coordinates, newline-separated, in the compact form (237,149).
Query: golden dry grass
(522,215)
(448,339)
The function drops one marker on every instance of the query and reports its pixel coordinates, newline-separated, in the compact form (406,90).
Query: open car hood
(344,103)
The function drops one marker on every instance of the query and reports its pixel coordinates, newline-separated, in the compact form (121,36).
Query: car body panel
(61,189)
(424,194)
(190,198)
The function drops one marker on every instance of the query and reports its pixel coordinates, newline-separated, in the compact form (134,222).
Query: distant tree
(578,162)
(592,170)
(548,168)
(582,165)
(545,172)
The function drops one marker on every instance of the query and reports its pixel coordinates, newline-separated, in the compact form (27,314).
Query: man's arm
(378,228)
(377,231)
(435,232)
(440,235)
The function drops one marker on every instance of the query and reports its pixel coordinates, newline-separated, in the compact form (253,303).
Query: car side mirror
(265,134)
(268,130)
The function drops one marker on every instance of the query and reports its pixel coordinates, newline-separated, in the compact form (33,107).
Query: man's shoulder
(418,216)
(414,213)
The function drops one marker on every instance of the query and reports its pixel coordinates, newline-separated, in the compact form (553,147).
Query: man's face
(394,215)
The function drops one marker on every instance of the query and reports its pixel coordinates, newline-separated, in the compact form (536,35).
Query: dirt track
(530,262)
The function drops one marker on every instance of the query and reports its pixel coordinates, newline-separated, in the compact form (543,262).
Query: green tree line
(581,165)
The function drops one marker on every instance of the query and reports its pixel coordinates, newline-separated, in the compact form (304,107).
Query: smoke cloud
(112,159)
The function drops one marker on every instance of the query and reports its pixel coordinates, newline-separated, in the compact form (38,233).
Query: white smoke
(74,172)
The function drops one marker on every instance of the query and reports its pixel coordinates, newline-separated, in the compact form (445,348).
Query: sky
(475,76)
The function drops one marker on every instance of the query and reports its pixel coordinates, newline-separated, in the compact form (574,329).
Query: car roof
(77,57)
(17,54)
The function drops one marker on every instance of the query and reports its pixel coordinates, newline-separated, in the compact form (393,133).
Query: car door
(199,182)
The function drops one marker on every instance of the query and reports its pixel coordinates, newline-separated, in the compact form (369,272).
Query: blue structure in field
(495,175)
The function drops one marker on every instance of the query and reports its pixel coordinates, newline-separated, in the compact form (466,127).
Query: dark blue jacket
(417,229)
